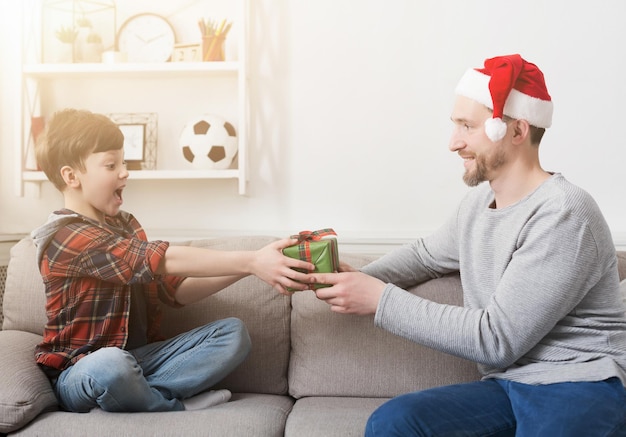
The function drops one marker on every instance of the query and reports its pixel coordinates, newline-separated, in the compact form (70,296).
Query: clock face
(146,38)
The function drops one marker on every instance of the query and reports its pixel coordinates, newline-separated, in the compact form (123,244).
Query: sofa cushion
(330,416)
(25,390)
(244,415)
(24,296)
(265,312)
(346,355)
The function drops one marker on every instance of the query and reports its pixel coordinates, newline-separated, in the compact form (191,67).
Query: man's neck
(516,184)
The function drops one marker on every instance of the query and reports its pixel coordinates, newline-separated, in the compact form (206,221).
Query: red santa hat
(509,86)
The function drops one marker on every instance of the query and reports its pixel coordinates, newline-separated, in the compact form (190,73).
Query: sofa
(310,372)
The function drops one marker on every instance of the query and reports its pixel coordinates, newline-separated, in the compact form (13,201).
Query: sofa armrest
(25,391)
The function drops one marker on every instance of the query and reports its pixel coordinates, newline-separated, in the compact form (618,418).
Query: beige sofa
(310,372)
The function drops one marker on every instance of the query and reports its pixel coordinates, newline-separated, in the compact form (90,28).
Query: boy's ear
(69,176)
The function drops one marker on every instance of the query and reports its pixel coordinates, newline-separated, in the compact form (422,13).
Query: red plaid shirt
(89,271)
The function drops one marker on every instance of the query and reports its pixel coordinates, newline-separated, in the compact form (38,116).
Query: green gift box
(313,248)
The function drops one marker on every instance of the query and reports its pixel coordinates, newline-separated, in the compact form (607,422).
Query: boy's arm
(194,289)
(267,263)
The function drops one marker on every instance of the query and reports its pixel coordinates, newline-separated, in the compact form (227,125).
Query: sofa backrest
(24,303)
(298,345)
(339,355)
(265,312)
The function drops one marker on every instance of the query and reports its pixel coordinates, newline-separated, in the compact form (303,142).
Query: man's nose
(456,143)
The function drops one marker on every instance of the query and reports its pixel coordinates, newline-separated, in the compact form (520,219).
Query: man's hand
(351,292)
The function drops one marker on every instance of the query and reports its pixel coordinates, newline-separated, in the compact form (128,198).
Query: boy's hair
(70,137)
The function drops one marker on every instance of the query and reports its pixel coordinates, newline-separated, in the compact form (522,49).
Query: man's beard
(483,165)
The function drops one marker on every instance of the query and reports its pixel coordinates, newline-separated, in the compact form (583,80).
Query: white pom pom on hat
(510,86)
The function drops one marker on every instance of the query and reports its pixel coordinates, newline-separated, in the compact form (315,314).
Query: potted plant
(92,49)
(67,36)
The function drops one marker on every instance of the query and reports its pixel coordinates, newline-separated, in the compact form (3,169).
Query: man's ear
(521,131)
(69,176)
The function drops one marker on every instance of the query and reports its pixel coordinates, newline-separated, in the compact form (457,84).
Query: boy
(104,281)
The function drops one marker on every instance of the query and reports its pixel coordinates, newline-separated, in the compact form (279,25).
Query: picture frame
(140,138)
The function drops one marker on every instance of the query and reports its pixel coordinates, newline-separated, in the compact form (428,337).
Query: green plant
(94,38)
(66,34)
(83,22)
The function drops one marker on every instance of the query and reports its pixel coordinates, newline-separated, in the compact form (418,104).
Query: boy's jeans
(498,408)
(156,376)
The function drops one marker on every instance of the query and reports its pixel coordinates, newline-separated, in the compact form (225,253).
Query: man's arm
(423,259)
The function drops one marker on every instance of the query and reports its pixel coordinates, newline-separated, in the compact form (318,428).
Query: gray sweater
(540,285)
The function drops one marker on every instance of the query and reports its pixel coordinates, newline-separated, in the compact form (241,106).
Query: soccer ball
(209,142)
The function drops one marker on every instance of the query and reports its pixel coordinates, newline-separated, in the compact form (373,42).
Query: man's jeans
(156,376)
(498,408)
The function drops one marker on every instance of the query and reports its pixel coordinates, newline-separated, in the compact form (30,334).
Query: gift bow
(304,241)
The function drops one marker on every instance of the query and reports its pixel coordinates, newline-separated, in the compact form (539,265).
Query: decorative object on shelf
(93,23)
(113,57)
(209,142)
(146,37)
(67,37)
(213,37)
(140,139)
(93,48)
(187,53)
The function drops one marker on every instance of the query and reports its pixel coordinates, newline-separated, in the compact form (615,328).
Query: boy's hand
(350,292)
(276,269)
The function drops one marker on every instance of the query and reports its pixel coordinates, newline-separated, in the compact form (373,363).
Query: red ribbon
(313,235)
(304,239)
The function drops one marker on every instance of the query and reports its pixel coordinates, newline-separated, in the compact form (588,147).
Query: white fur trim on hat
(495,129)
(520,106)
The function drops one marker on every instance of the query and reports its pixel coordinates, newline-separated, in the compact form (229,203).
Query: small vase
(80,43)
(65,53)
(92,52)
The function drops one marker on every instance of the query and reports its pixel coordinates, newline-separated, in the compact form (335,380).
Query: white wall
(350,115)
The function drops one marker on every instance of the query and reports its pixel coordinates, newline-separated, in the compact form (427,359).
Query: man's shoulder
(572,197)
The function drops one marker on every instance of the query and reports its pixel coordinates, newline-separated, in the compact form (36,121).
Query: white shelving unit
(37,78)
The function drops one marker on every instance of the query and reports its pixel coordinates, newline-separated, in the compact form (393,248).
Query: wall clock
(146,37)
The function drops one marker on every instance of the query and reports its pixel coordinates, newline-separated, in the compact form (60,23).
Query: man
(542,313)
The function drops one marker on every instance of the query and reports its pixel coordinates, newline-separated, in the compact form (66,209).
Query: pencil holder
(213,48)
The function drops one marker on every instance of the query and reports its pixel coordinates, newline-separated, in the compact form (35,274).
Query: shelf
(39,176)
(129,69)
(44,89)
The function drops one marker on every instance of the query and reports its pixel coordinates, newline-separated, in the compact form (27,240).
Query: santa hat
(509,86)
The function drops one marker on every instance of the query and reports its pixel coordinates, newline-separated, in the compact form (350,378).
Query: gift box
(318,248)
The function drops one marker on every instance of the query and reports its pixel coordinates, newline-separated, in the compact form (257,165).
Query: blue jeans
(154,377)
(498,408)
